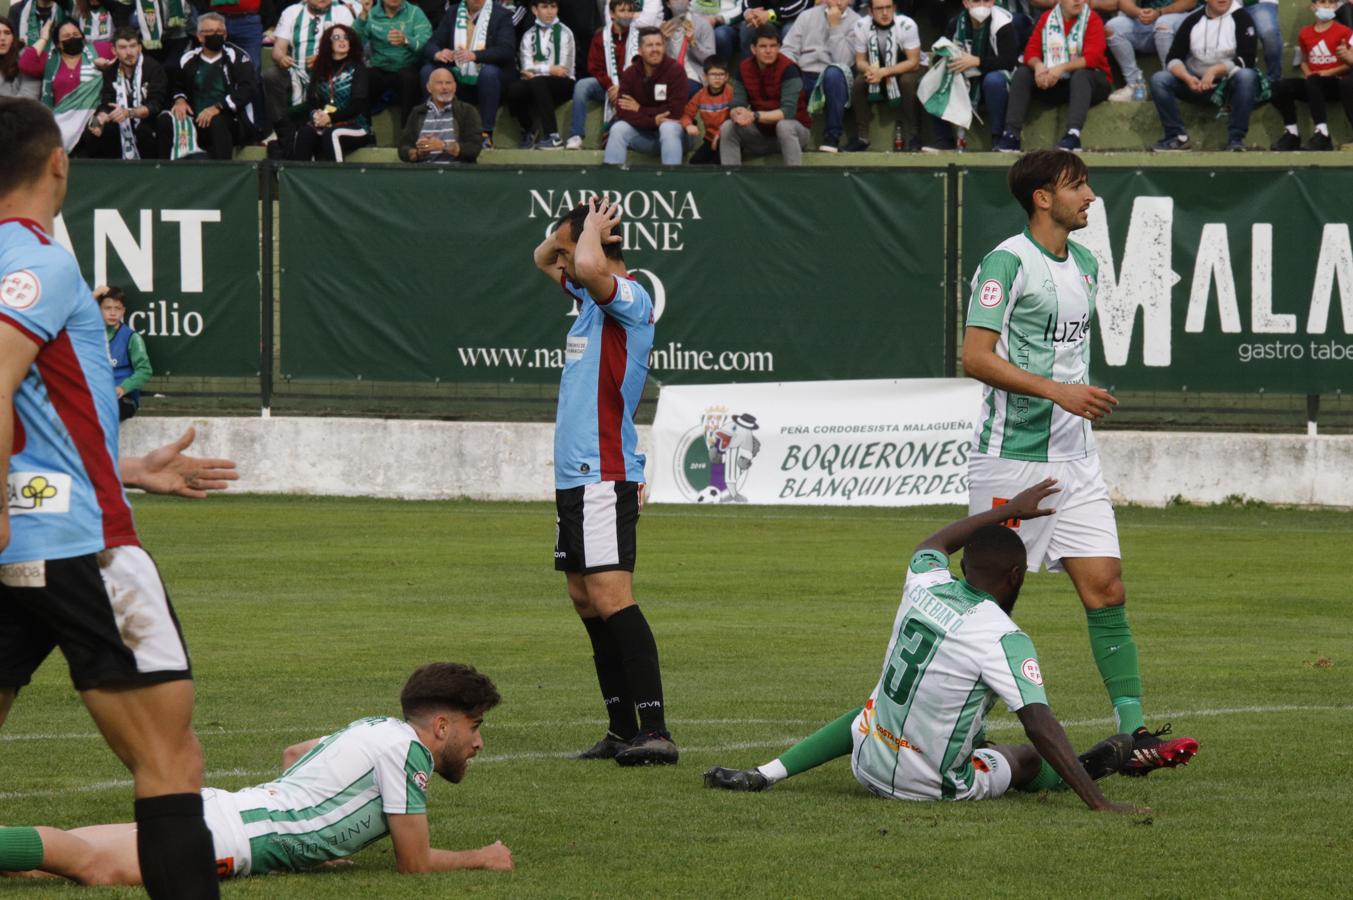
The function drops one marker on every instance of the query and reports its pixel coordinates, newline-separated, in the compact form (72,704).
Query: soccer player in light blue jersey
(599,474)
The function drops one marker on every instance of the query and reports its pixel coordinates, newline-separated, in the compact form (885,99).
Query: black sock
(175,849)
(639,654)
(615,691)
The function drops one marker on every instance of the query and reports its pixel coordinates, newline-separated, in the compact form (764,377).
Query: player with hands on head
(954,650)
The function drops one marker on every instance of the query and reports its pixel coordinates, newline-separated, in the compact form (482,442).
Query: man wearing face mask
(987,37)
(212,87)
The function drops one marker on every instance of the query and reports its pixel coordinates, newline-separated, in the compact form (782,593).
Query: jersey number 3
(912,653)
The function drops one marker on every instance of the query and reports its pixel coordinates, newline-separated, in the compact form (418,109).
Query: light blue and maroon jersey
(65,493)
(605,365)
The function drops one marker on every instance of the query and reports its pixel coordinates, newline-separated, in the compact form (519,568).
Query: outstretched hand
(168,471)
(1024,505)
(603,216)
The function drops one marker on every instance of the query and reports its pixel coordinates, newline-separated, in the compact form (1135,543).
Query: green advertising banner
(425,274)
(182,240)
(1225,280)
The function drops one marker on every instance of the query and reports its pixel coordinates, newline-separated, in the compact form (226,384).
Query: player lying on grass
(338,794)
(954,650)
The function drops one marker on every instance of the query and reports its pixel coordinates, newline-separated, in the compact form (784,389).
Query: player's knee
(1103,594)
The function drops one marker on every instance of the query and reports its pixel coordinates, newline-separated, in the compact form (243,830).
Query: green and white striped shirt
(1042,306)
(333,801)
(952,654)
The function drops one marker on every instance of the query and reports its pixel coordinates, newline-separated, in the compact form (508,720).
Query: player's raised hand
(603,216)
(1024,505)
(1086,401)
(168,471)
(496,856)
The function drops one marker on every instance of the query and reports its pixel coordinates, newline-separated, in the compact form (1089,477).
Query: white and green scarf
(305,37)
(76,108)
(154,18)
(98,26)
(1059,45)
(185,143)
(128,95)
(461,39)
(30,25)
(941,92)
(541,46)
(615,66)
(882,51)
(817,100)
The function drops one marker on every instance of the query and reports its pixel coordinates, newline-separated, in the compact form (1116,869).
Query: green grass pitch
(303,614)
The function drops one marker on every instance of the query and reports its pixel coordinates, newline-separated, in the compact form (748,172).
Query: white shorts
(228,839)
(913,779)
(1083,526)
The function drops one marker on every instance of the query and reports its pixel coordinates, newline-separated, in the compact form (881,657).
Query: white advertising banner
(825,443)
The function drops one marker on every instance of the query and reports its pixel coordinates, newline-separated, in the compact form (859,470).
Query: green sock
(1115,654)
(20,849)
(1045,780)
(824,745)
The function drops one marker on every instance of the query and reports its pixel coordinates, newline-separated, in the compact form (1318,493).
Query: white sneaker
(575,142)
(1123,94)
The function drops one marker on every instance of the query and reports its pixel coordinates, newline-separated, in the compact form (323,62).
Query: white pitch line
(1158,715)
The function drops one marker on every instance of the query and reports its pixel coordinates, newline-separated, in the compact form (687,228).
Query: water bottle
(899,142)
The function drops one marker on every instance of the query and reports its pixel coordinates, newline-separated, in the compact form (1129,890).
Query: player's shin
(175,848)
(827,743)
(1115,654)
(639,654)
(611,677)
(20,849)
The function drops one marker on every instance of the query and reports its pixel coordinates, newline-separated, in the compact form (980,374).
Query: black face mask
(214,42)
(72,46)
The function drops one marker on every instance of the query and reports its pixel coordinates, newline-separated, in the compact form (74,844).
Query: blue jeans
(668,141)
(836,89)
(486,93)
(995,95)
(247,32)
(587,90)
(725,42)
(1265,18)
(1127,37)
(1167,90)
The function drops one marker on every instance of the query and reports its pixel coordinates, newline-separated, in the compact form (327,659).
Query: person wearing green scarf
(888,63)
(72,80)
(986,35)
(547,56)
(395,32)
(29,17)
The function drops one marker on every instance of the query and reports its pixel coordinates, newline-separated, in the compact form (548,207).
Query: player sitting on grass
(954,650)
(338,794)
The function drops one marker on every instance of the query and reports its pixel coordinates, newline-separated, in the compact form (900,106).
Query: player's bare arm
(296,751)
(168,470)
(414,852)
(17,353)
(1024,505)
(546,257)
(981,362)
(1050,740)
(593,268)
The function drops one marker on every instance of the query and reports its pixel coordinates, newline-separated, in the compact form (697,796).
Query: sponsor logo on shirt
(24,574)
(574,348)
(1029,669)
(38,492)
(20,290)
(991,294)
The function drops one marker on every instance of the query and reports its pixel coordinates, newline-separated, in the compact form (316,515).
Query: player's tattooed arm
(1050,740)
(414,852)
(1024,505)
(17,352)
(981,362)
(169,471)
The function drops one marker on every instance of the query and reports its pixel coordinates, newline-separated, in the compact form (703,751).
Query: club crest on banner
(716,455)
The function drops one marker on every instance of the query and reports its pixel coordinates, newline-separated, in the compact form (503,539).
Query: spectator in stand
(1139,27)
(244,26)
(820,44)
(95,20)
(712,105)
(777,14)
(770,111)
(1325,58)
(27,18)
(476,39)
(1067,61)
(13,82)
(547,54)
(133,95)
(337,100)
(212,87)
(888,58)
(988,38)
(1264,15)
(163,26)
(395,32)
(443,131)
(605,60)
(295,44)
(126,351)
(1210,62)
(725,17)
(690,41)
(72,81)
(653,93)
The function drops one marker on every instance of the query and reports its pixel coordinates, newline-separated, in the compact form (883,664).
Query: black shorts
(594,527)
(108,612)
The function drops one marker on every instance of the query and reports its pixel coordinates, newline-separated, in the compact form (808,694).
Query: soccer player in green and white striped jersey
(338,794)
(1027,339)
(953,651)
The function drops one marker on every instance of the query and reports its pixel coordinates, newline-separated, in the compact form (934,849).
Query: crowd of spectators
(712,80)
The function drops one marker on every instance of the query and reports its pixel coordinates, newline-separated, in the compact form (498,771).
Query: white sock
(1074,132)
(774,771)
(1322,128)
(1292,129)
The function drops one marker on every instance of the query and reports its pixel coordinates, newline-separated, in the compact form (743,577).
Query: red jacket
(596,57)
(778,86)
(1096,45)
(664,92)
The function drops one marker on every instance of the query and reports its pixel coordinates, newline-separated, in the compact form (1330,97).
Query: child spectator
(547,58)
(1325,53)
(126,351)
(712,103)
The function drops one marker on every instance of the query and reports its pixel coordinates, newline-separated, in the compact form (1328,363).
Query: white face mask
(980,13)
(1324,14)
